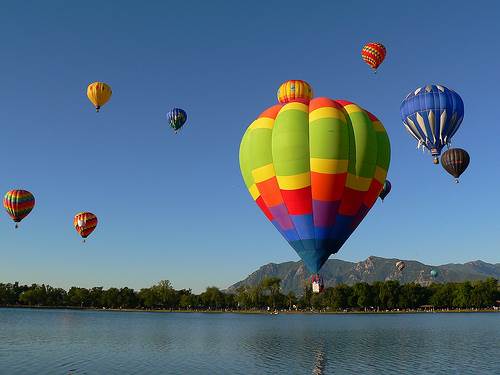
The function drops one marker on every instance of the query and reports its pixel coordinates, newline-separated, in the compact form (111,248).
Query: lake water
(88,342)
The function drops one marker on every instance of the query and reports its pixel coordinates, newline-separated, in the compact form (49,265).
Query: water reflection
(319,361)
(83,342)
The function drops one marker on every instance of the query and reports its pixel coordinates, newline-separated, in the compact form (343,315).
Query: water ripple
(85,342)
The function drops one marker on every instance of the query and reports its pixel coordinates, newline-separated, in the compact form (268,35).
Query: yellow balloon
(295,91)
(99,93)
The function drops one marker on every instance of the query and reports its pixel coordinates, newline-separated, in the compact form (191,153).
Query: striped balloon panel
(315,170)
(373,54)
(85,223)
(432,114)
(18,204)
(294,90)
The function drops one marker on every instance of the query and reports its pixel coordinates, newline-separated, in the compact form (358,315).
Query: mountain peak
(335,271)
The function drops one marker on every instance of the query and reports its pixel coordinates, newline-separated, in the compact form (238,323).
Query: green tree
(340,296)
(111,298)
(412,296)
(78,297)
(462,295)
(272,286)
(362,295)
(389,294)
(212,298)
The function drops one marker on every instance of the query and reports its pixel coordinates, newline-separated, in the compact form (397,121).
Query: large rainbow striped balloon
(315,170)
(18,204)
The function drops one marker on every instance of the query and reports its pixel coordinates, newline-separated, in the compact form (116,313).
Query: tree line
(387,295)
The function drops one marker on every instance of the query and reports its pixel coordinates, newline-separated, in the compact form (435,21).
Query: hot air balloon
(295,90)
(85,223)
(432,114)
(373,54)
(315,167)
(385,190)
(99,94)
(176,118)
(434,273)
(400,265)
(18,204)
(455,161)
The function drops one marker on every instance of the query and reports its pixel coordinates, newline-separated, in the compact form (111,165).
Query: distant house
(496,306)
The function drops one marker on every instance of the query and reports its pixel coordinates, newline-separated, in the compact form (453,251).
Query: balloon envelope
(373,54)
(177,118)
(385,190)
(400,265)
(85,223)
(432,114)
(315,170)
(18,204)
(99,94)
(295,90)
(455,161)
(434,273)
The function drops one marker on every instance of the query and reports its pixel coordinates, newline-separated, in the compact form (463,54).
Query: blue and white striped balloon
(432,114)
(176,118)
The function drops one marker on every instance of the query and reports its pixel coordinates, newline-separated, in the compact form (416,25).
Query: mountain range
(294,275)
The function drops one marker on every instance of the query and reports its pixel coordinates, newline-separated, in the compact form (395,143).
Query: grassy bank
(260,312)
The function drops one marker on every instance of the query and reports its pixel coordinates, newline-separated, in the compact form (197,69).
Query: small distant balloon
(385,190)
(455,161)
(99,94)
(434,273)
(177,118)
(85,223)
(400,265)
(18,204)
(373,54)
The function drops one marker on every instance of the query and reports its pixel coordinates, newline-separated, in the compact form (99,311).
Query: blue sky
(175,207)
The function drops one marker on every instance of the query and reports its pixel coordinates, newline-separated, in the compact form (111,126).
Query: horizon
(175,206)
(222,287)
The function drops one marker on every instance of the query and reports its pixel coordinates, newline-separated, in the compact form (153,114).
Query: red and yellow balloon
(373,54)
(85,223)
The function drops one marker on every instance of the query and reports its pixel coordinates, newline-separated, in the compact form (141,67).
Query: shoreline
(258,312)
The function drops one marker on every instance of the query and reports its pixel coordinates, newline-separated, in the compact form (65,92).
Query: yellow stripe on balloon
(380,175)
(294,182)
(329,166)
(263,173)
(254,192)
(326,112)
(358,183)
(262,123)
(353,108)
(295,106)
